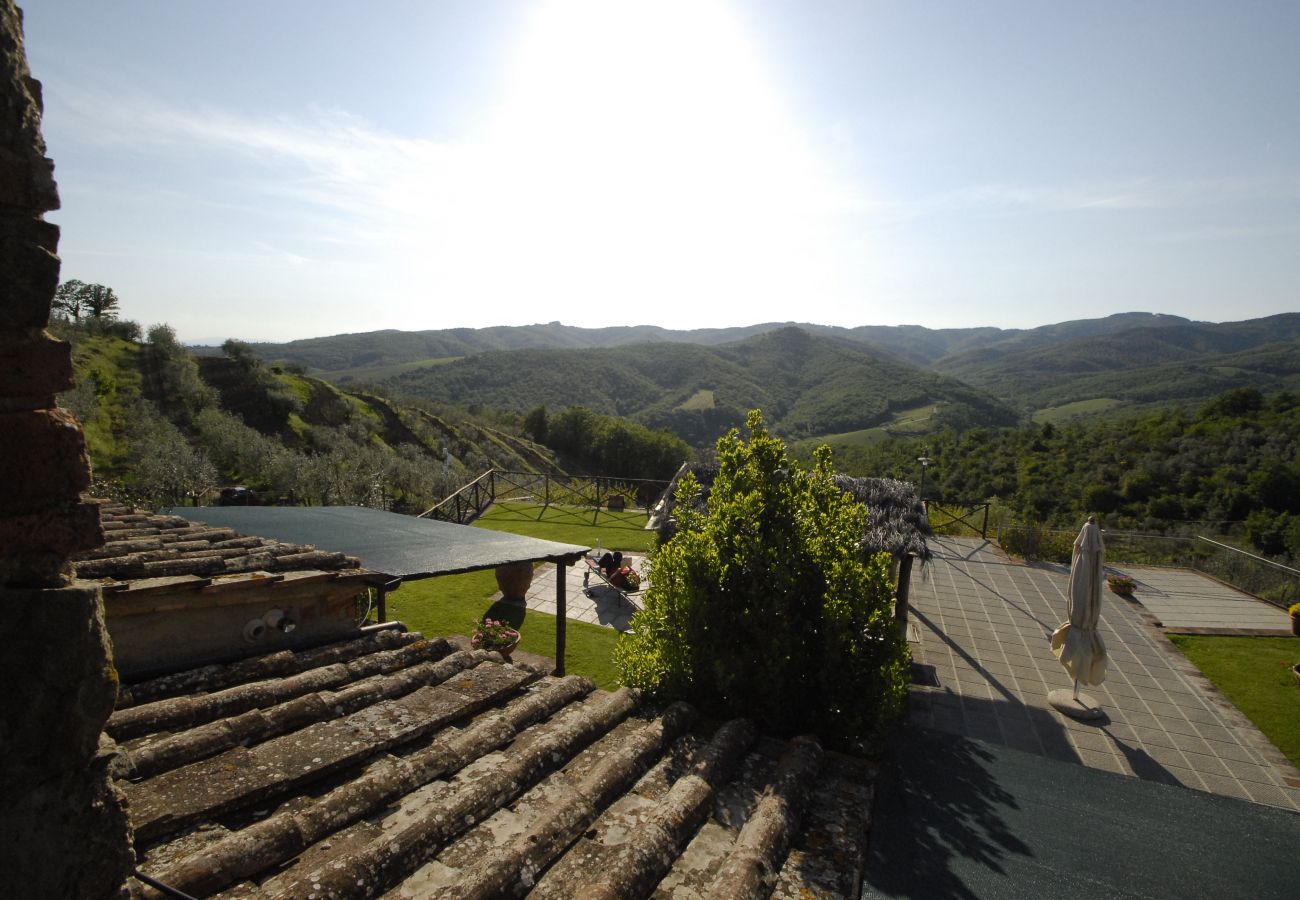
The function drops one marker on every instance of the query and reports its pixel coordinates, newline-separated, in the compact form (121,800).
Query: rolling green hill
(698,382)
(1178,361)
(805,384)
(165,427)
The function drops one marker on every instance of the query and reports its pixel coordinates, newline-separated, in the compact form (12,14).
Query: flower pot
(513,579)
(507,650)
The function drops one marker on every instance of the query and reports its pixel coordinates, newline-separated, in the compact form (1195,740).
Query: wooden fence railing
(593,491)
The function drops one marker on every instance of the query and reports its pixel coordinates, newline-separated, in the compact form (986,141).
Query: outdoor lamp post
(925,463)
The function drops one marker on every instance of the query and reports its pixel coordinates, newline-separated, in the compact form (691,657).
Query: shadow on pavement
(943,788)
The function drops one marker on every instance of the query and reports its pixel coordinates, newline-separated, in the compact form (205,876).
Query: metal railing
(1266,579)
(588,491)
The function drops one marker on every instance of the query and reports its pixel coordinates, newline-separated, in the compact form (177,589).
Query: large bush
(765,606)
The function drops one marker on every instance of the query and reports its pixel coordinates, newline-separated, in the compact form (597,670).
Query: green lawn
(1254,673)
(572,525)
(451,604)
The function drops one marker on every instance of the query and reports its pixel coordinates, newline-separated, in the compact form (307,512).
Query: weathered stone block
(38,544)
(43,458)
(63,830)
(32,271)
(36,367)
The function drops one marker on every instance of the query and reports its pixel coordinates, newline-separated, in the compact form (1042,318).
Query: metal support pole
(901,593)
(562,615)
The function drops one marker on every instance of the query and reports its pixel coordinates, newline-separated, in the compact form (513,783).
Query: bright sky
(281,169)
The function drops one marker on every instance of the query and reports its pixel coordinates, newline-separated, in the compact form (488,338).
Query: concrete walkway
(983,624)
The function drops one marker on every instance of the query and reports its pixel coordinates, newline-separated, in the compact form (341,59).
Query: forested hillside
(1177,361)
(805,385)
(1230,466)
(163,427)
(915,344)
(1124,362)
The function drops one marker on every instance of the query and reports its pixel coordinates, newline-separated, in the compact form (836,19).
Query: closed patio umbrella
(1077,643)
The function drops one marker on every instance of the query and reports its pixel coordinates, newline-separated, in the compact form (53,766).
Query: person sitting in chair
(610,563)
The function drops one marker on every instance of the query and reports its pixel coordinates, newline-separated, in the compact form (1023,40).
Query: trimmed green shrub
(765,606)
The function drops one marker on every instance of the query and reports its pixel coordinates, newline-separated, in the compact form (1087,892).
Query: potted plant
(1121,584)
(1294,610)
(493,634)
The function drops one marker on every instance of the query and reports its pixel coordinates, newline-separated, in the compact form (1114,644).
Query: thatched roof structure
(896,519)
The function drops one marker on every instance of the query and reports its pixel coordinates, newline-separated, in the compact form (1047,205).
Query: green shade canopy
(386,542)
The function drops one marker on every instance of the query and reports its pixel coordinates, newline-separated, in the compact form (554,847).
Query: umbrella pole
(1076,689)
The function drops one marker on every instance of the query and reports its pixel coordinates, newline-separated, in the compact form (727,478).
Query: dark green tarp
(385,542)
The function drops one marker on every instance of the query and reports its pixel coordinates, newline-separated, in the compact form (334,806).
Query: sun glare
(639,152)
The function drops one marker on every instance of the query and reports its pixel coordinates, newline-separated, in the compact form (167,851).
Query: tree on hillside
(68,300)
(100,302)
(74,299)
(764,606)
(177,387)
(535,425)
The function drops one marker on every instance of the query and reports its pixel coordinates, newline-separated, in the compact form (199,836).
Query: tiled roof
(142,545)
(394,766)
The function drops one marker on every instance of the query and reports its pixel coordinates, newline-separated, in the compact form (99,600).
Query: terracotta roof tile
(393,766)
(142,545)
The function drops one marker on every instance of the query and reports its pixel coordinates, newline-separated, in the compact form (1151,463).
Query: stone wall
(64,831)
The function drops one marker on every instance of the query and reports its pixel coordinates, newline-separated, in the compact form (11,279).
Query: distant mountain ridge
(1079,366)
(806,384)
(913,343)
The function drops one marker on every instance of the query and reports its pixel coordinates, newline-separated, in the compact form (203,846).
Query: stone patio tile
(1250,772)
(1122,731)
(1120,716)
(1165,710)
(1176,724)
(1168,756)
(1107,761)
(1154,737)
(1186,777)
(1225,785)
(1274,796)
(1217,732)
(1190,743)
(1203,716)
(1207,764)
(1232,750)
(1094,741)
(1134,704)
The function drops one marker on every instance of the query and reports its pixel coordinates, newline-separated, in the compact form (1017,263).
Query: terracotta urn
(513,579)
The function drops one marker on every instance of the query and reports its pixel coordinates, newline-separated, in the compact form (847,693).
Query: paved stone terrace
(1188,602)
(983,623)
(605,606)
